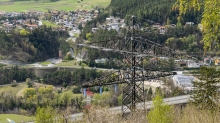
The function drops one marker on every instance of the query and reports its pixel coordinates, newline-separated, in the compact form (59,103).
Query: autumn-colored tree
(210,19)
(29,93)
(89,36)
(24,32)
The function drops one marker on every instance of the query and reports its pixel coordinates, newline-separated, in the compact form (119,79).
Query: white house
(193,65)
(94,29)
(162,29)
(190,23)
(102,60)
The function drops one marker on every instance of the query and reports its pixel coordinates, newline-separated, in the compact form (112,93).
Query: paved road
(148,105)
(10,84)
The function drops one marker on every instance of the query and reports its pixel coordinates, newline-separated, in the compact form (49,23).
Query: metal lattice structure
(133,74)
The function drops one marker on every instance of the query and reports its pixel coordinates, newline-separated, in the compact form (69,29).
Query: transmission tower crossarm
(141,46)
(110,79)
(134,46)
(151,74)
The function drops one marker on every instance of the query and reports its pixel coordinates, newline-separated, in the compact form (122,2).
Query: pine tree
(206,93)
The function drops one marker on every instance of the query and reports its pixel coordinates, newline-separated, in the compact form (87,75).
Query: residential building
(102,60)
(162,29)
(190,23)
(217,61)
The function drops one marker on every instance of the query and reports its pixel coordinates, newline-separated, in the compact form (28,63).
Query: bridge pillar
(100,90)
(116,88)
(84,92)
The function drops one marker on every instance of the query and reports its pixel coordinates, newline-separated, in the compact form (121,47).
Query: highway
(148,105)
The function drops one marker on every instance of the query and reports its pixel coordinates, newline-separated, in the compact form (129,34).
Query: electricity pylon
(133,74)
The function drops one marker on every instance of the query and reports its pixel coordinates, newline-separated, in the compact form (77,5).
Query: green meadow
(15,117)
(45,5)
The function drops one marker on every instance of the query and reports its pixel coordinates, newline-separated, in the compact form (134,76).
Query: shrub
(14,85)
(76,89)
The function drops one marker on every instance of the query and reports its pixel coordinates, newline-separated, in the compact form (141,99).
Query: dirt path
(20,93)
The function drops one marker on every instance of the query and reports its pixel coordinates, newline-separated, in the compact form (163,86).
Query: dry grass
(103,115)
(9,90)
(192,114)
(189,114)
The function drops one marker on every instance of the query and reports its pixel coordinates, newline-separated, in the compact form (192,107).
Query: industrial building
(184,82)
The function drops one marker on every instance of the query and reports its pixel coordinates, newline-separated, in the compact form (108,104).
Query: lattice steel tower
(133,74)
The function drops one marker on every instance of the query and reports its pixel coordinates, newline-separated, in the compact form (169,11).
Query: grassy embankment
(45,5)
(15,117)
(186,114)
(18,90)
(48,23)
(72,63)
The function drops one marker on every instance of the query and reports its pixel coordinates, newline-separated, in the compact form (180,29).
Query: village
(74,21)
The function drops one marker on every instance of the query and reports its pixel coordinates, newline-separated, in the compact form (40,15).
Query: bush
(64,84)
(14,85)
(77,89)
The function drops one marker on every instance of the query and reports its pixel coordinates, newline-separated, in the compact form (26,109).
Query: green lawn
(70,93)
(48,23)
(14,117)
(68,63)
(12,90)
(72,63)
(44,5)
(45,63)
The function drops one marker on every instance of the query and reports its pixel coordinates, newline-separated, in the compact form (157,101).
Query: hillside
(151,17)
(41,44)
(45,5)
(155,10)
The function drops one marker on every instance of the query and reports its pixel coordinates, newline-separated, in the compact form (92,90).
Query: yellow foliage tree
(210,19)
(24,32)
(89,36)
(29,93)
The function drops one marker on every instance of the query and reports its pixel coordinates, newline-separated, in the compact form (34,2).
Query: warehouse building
(184,82)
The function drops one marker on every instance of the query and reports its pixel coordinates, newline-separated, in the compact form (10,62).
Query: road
(11,84)
(148,105)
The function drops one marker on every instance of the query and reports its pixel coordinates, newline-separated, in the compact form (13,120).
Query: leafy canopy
(24,32)
(161,113)
(210,19)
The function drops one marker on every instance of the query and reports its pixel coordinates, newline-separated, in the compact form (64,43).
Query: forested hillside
(41,44)
(148,12)
(154,10)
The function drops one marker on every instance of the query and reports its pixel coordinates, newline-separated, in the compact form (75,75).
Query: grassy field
(69,92)
(72,63)
(14,117)
(12,90)
(45,63)
(48,23)
(45,5)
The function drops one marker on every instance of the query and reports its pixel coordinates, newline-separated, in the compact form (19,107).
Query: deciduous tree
(210,19)
(45,115)
(161,113)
